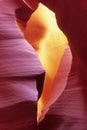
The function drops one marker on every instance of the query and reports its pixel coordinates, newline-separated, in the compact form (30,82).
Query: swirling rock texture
(20,72)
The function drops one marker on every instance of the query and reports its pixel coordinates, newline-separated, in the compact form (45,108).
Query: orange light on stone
(43,33)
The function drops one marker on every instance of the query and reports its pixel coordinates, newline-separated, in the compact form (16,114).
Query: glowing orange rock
(43,33)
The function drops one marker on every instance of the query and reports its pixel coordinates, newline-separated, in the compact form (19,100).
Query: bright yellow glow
(43,33)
